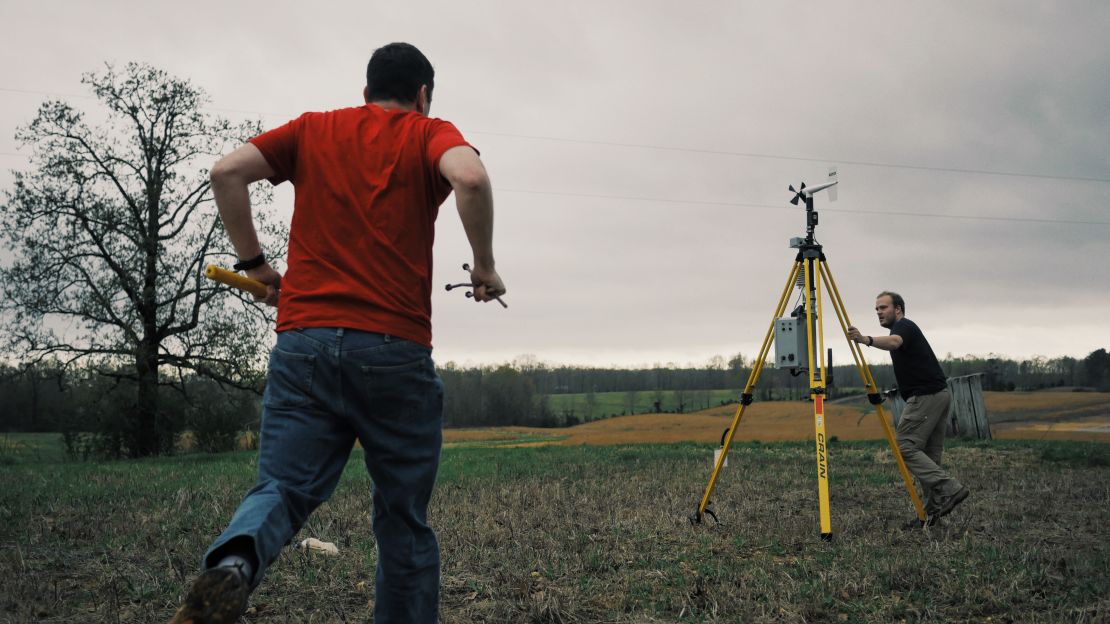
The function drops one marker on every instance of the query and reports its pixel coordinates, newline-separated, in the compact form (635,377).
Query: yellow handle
(254,287)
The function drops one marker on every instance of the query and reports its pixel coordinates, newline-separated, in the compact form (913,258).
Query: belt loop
(338,340)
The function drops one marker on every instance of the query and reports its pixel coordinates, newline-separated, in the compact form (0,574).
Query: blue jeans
(326,387)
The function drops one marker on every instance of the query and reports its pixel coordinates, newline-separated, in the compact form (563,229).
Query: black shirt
(915,367)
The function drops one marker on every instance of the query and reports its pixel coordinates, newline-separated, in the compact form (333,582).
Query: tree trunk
(147,435)
(33,412)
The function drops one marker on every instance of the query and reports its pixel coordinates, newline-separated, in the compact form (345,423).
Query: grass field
(612,403)
(587,534)
(607,404)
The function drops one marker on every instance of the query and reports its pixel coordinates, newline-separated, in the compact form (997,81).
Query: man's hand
(271,278)
(487,283)
(855,336)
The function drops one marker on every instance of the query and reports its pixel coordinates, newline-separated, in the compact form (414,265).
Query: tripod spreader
(805,334)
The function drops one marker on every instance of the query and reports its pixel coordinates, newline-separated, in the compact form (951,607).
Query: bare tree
(111,228)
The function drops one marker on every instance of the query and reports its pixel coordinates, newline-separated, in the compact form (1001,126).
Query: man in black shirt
(922,384)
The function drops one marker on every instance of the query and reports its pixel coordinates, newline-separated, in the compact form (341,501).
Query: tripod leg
(872,390)
(817,390)
(746,397)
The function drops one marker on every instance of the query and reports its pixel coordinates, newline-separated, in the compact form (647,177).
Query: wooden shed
(968,416)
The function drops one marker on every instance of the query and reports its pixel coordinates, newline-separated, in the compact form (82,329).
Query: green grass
(522,438)
(1081,454)
(18,448)
(606,404)
(588,534)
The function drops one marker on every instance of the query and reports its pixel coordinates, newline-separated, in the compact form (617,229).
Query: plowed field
(1014,415)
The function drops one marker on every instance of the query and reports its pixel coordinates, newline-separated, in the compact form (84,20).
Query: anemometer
(799,342)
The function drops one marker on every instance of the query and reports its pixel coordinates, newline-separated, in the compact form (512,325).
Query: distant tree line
(93,410)
(1001,374)
(91,407)
(492,396)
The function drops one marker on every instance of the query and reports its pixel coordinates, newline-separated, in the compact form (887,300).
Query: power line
(838,161)
(703,202)
(884,213)
(50,93)
(691,150)
(720,152)
(91,97)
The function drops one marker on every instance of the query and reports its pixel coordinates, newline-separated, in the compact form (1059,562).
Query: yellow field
(781,420)
(1035,415)
(1057,403)
(1049,415)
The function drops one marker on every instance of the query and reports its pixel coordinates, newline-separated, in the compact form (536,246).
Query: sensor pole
(809,272)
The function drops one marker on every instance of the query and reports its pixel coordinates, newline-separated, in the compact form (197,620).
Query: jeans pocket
(289,379)
(400,382)
(393,369)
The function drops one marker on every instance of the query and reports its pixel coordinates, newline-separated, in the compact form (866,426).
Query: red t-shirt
(367,191)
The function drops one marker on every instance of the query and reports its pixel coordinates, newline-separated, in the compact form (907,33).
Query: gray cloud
(1014,87)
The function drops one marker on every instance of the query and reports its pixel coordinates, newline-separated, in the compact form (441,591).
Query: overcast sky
(640,154)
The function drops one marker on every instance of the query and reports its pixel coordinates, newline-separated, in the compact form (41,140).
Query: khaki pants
(921,442)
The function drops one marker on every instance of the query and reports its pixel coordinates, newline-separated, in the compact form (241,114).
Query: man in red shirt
(353,354)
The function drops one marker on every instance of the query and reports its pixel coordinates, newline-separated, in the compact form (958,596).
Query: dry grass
(486,434)
(1045,402)
(590,534)
(1049,415)
(1020,405)
(782,420)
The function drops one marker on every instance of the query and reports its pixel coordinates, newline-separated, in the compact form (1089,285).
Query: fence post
(897,404)
(968,416)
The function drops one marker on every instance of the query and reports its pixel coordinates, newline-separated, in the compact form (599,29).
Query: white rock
(316,545)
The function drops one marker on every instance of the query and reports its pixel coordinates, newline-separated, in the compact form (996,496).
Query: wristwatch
(246,265)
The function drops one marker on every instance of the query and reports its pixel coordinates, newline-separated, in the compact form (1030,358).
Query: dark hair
(895,298)
(396,72)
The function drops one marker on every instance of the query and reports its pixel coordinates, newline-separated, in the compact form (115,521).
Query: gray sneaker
(218,596)
(950,503)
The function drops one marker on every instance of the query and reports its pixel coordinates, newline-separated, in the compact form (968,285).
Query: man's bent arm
(886,343)
(463,169)
(474,197)
(231,177)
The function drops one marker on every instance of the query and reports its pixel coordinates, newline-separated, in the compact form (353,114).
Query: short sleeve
(279,148)
(442,136)
(904,329)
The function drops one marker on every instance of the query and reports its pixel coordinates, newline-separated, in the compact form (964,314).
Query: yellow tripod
(811,265)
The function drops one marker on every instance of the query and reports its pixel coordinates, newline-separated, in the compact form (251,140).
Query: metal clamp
(469,293)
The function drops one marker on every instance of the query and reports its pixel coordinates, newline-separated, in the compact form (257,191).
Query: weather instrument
(799,341)
(469,293)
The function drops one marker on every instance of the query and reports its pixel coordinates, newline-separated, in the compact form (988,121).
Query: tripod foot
(826,537)
(696,517)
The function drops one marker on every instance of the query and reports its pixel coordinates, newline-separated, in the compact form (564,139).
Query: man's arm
(886,343)
(463,169)
(231,177)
